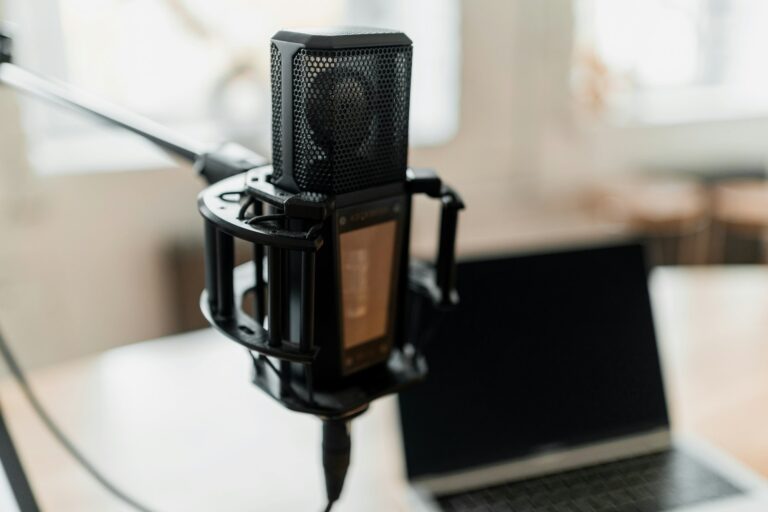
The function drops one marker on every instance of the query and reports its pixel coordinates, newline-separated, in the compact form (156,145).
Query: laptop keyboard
(649,483)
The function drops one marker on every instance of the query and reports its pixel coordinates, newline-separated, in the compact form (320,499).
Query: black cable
(54,429)
(244,208)
(265,218)
(337,445)
(329,507)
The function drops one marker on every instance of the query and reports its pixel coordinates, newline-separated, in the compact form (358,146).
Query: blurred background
(561,122)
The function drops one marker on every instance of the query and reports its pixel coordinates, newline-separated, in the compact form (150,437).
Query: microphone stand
(213,165)
(14,472)
(27,82)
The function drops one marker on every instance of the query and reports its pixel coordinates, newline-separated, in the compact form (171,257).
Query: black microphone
(321,306)
(330,223)
(340,128)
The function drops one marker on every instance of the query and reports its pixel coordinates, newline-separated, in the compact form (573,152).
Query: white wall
(523,147)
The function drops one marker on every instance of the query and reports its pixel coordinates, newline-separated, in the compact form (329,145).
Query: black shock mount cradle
(225,205)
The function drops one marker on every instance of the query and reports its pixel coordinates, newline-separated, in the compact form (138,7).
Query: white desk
(177,423)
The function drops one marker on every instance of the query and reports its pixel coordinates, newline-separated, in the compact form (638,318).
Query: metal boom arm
(214,165)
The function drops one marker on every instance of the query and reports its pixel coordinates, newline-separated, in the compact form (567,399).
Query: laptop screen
(546,351)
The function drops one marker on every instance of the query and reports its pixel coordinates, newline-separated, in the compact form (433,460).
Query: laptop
(545,393)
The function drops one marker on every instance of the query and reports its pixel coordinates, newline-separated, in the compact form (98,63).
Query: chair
(671,215)
(740,215)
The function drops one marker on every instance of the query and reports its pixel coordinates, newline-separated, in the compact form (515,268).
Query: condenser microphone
(340,102)
(330,223)
(321,305)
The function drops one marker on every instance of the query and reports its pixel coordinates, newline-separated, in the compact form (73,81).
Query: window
(203,69)
(674,61)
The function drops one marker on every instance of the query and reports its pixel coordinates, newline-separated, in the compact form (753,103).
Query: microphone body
(340,103)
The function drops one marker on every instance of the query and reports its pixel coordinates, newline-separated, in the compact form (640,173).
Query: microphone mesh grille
(350,117)
(277,100)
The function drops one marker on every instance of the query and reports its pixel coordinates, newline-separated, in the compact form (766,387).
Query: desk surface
(176,422)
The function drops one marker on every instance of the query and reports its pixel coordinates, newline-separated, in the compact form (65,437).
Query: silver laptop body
(546,393)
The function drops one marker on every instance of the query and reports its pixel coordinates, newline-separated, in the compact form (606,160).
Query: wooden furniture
(740,214)
(672,215)
(176,422)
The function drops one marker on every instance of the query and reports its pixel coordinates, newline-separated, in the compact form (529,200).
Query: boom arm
(214,165)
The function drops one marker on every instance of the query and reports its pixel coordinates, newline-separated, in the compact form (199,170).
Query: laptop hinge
(547,463)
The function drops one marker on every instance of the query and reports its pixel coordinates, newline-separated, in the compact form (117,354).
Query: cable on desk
(54,429)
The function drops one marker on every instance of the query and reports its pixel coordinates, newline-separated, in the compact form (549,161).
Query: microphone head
(340,101)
